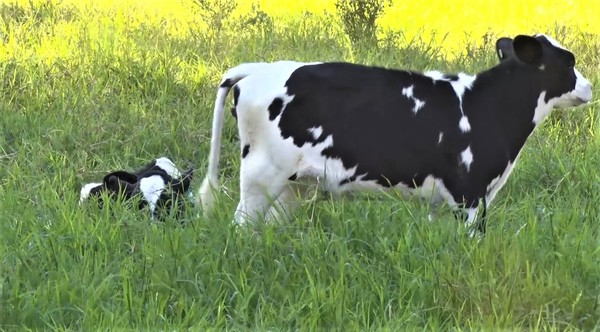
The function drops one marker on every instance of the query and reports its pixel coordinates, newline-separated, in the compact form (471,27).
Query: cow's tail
(210,184)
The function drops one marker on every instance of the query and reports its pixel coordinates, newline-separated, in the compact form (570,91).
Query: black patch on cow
(226,83)
(236,94)
(450,77)
(275,108)
(293,177)
(348,180)
(236,97)
(319,139)
(245,150)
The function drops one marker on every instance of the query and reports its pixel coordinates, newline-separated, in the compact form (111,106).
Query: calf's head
(115,184)
(551,66)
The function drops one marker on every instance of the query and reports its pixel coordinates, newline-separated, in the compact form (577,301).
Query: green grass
(109,95)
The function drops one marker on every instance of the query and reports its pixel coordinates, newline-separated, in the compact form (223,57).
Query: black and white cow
(452,138)
(159,185)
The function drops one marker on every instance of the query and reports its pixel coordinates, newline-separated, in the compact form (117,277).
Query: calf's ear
(504,48)
(121,176)
(528,49)
(182,184)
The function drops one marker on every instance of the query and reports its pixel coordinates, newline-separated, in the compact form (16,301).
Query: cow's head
(554,68)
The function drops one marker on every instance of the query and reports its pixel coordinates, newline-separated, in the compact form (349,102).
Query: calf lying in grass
(159,185)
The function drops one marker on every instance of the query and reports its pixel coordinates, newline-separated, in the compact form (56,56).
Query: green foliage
(216,13)
(124,94)
(359,19)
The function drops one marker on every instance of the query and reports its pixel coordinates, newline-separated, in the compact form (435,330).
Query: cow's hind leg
(260,184)
(289,201)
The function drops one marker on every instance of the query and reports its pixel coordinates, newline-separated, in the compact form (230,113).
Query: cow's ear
(504,48)
(528,49)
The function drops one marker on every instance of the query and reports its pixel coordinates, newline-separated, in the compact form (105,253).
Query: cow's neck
(518,103)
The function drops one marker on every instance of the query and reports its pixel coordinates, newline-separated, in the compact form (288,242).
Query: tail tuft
(206,194)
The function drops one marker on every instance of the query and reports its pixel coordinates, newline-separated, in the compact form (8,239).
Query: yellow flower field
(449,23)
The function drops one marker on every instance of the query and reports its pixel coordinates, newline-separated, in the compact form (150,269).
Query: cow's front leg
(288,202)
(469,215)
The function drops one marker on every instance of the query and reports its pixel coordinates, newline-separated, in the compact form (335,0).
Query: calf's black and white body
(452,138)
(159,185)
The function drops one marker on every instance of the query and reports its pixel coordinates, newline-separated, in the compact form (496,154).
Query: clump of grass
(359,19)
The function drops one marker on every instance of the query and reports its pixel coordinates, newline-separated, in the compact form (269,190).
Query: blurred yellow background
(449,24)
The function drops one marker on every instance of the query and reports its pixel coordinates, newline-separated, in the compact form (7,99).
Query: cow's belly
(331,175)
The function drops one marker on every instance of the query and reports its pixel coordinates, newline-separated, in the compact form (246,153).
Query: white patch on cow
(463,83)
(85,191)
(552,41)
(582,92)
(440,137)
(542,67)
(435,75)
(315,132)
(408,92)
(542,109)
(151,188)
(470,222)
(168,166)
(498,182)
(467,157)
(329,171)
(432,190)
(464,124)
(418,105)
(428,189)
(436,191)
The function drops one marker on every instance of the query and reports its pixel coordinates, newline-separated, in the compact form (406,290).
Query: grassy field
(88,87)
